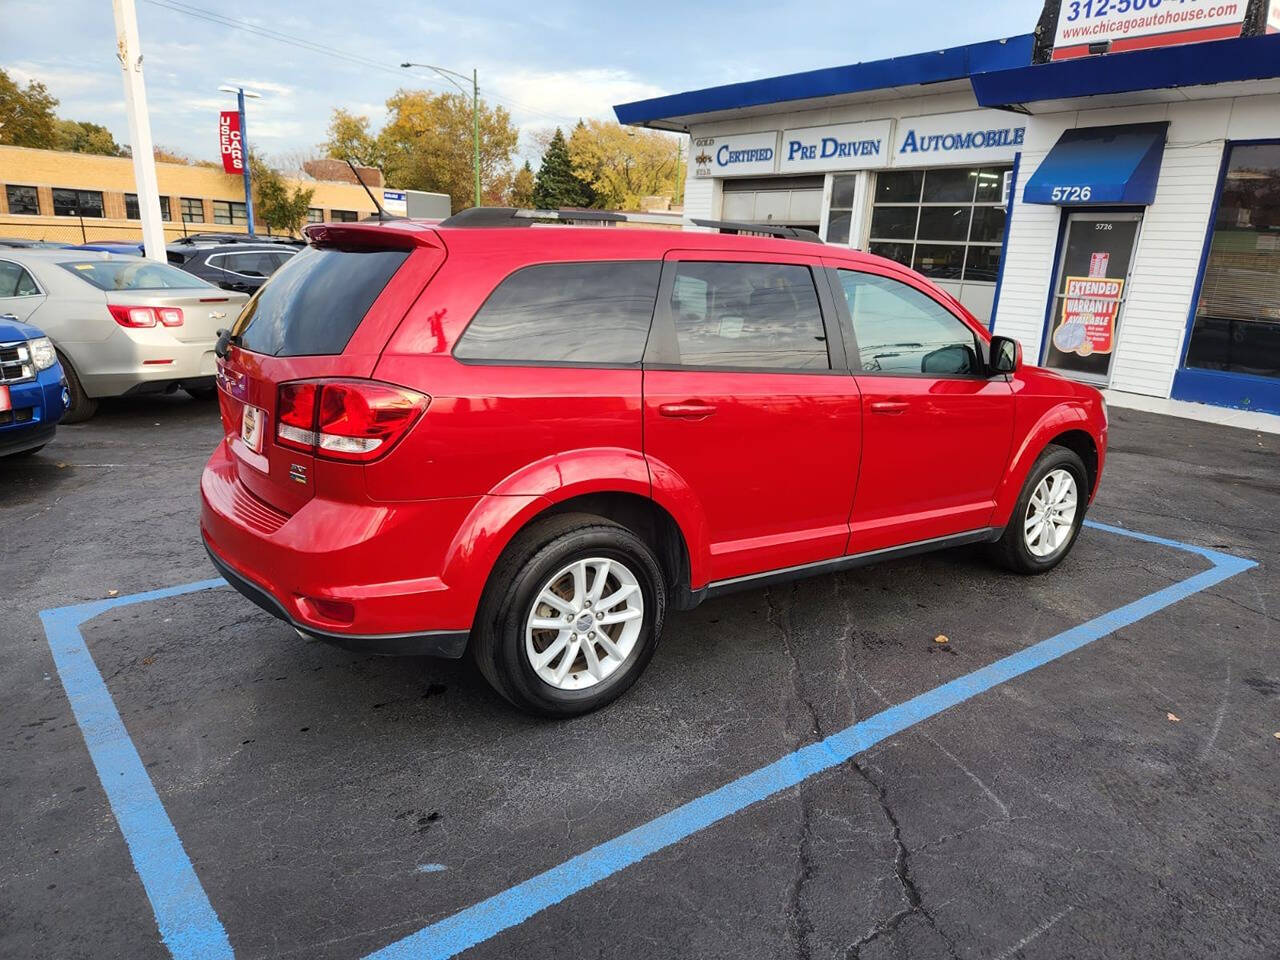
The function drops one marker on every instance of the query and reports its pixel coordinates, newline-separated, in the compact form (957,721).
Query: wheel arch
(1068,425)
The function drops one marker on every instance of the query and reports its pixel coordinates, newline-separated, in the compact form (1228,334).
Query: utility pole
(449,75)
(129,51)
(475,128)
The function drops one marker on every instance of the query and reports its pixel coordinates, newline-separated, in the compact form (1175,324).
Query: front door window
(1089,293)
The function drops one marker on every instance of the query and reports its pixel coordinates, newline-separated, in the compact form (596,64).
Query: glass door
(1089,293)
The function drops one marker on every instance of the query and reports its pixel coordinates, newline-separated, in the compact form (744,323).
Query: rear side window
(591,313)
(749,315)
(314,303)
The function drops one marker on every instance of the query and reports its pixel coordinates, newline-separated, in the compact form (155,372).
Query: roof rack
(232,238)
(515,217)
(764,229)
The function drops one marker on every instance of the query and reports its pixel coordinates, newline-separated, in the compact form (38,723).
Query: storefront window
(1237,322)
(945,223)
(841,213)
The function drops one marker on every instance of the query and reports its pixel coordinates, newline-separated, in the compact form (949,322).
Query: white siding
(1167,261)
(1163,276)
(701,197)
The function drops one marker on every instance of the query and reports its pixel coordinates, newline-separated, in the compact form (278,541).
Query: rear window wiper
(225,339)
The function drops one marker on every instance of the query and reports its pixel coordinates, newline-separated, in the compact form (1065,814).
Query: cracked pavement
(333,803)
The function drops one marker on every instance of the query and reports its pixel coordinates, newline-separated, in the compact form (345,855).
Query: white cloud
(61,81)
(562,96)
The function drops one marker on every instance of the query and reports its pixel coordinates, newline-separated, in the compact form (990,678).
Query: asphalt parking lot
(332,804)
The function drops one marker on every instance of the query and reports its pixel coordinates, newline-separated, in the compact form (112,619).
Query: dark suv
(230,261)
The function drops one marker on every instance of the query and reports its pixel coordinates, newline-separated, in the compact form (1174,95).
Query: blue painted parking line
(191,928)
(188,924)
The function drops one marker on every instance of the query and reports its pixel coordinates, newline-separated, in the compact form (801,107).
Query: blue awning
(1100,165)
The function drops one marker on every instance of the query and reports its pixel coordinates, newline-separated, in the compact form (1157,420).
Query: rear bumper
(384,560)
(434,643)
(133,360)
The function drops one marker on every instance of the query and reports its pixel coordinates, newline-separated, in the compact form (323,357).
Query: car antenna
(382,214)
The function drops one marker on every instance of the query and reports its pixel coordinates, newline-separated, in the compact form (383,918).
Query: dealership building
(1107,193)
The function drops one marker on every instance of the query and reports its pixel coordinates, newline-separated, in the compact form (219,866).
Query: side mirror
(1006,355)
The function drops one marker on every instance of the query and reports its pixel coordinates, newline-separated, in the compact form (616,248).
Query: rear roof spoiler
(403,234)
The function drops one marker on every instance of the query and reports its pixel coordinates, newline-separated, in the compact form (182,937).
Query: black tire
(1011,549)
(82,406)
(203,394)
(498,638)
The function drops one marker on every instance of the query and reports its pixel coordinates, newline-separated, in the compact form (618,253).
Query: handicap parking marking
(190,927)
(188,923)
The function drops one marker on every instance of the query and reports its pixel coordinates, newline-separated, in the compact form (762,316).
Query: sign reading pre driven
(739,155)
(844,146)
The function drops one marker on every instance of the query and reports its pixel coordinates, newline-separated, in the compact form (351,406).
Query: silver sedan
(122,325)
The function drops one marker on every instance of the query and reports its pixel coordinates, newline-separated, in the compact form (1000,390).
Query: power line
(312,46)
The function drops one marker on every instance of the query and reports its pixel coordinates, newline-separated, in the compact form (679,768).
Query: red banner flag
(229,144)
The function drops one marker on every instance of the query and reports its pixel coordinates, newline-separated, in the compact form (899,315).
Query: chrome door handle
(889,406)
(688,410)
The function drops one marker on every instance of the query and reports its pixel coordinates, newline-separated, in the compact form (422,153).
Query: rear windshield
(313,304)
(132,274)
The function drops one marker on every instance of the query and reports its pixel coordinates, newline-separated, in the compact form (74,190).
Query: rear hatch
(327,313)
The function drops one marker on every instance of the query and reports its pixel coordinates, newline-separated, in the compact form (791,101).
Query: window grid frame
(920,203)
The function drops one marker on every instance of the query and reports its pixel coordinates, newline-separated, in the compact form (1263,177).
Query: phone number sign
(1089,310)
(1135,24)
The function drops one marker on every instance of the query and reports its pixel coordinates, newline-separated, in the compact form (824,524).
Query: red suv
(533,442)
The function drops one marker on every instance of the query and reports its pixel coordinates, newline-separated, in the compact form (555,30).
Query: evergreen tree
(557,185)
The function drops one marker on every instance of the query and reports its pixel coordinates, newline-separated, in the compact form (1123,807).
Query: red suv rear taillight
(354,420)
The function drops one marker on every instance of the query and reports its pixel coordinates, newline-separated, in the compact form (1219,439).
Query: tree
(80,136)
(349,138)
(274,204)
(622,165)
(427,145)
(557,185)
(26,114)
(521,192)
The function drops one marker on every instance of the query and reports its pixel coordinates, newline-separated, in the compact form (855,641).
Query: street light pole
(244,150)
(449,75)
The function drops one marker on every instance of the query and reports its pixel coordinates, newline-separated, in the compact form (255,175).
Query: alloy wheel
(1051,513)
(584,624)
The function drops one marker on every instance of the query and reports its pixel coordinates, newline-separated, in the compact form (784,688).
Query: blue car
(113,246)
(33,391)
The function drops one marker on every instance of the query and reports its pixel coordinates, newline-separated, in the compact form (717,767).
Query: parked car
(232,263)
(22,243)
(121,325)
(127,247)
(33,392)
(532,443)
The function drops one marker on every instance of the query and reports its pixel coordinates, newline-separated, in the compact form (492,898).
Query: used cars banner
(229,144)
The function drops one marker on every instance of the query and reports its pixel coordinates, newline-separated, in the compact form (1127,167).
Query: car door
(937,429)
(20,295)
(750,409)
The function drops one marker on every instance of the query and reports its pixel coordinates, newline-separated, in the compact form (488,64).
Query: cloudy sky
(547,62)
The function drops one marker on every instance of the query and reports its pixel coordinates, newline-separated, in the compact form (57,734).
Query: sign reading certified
(976,136)
(741,155)
(845,146)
